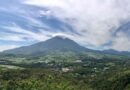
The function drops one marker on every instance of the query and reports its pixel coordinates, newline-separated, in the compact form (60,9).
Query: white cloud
(94,20)
(24,34)
(11,37)
(6,47)
(21,34)
(121,42)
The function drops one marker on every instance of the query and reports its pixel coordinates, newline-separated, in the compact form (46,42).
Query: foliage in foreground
(39,80)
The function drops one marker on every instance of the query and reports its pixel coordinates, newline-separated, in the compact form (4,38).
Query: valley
(64,65)
(64,72)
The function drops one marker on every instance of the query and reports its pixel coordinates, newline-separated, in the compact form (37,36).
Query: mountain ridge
(58,44)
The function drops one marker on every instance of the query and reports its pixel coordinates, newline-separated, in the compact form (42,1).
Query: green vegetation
(65,71)
(39,79)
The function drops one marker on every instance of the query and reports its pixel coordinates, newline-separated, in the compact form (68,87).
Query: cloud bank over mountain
(96,24)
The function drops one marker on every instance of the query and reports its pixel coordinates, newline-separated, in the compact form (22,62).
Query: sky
(95,24)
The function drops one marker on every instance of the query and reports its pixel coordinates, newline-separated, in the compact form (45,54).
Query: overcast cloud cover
(96,24)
